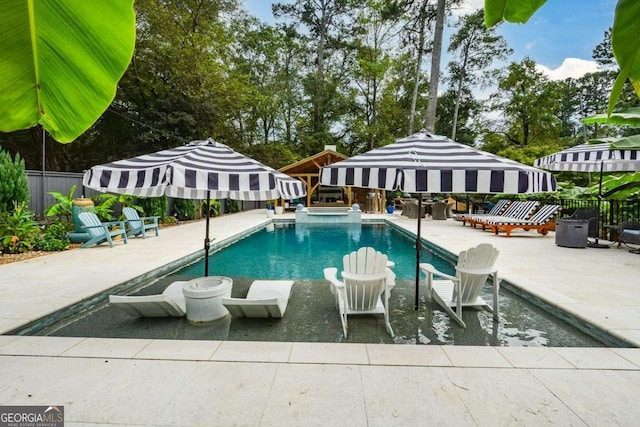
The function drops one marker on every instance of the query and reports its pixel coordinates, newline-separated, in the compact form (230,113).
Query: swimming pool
(288,251)
(302,251)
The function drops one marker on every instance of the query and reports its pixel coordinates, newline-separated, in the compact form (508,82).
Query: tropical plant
(104,206)
(62,80)
(214,207)
(62,209)
(17,229)
(14,186)
(53,239)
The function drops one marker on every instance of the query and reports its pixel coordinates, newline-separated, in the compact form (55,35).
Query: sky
(560,37)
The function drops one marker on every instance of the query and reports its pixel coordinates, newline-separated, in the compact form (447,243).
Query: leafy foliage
(62,209)
(184,209)
(53,239)
(18,230)
(62,80)
(153,206)
(232,206)
(14,186)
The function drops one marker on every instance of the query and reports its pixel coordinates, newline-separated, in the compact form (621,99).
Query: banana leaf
(61,62)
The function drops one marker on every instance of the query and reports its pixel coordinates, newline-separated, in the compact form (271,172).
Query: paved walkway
(167,382)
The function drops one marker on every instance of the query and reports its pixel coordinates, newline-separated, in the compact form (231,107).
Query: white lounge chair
(266,298)
(364,279)
(168,303)
(473,268)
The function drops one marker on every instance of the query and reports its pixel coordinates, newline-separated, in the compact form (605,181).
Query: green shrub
(232,206)
(154,206)
(18,230)
(184,209)
(14,185)
(169,220)
(53,239)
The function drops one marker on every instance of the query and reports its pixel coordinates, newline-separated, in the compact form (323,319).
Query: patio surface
(207,383)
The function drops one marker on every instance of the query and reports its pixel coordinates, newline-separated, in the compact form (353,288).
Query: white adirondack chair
(364,280)
(463,290)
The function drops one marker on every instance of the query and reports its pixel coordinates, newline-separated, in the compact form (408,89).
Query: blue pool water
(302,251)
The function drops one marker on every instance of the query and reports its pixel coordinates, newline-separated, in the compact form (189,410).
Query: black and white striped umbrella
(426,163)
(199,170)
(601,158)
(592,158)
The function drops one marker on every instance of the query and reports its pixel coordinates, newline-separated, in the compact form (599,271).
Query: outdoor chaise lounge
(266,298)
(364,280)
(463,290)
(497,209)
(541,221)
(138,225)
(517,210)
(101,232)
(168,303)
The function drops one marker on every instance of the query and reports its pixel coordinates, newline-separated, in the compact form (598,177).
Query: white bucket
(202,298)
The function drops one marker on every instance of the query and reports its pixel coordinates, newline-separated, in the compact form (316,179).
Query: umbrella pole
(418,248)
(207,242)
(596,244)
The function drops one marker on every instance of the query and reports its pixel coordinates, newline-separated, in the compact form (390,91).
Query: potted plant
(270,209)
(390,206)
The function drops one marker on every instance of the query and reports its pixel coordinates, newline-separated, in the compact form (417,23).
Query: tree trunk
(416,81)
(430,117)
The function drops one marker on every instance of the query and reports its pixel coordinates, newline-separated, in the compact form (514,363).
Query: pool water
(301,253)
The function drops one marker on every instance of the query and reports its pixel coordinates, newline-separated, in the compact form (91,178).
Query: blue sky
(560,37)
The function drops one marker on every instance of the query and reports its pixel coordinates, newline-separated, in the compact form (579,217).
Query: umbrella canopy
(199,170)
(592,158)
(603,157)
(427,163)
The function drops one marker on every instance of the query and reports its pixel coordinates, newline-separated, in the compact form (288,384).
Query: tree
(624,36)
(467,109)
(434,77)
(528,104)
(329,24)
(14,186)
(475,48)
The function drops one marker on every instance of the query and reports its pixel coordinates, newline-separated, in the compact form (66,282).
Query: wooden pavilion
(308,171)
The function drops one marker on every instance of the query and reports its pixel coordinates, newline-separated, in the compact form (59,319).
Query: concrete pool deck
(168,382)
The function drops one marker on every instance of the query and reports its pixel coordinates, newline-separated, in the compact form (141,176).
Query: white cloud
(571,67)
(467,7)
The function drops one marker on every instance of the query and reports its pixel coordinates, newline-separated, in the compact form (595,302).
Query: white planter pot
(279,210)
(270,213)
